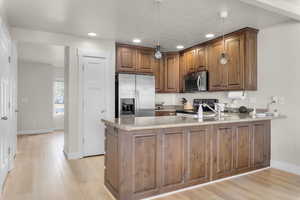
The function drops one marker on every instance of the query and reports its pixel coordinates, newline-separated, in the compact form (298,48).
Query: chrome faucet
(218,111)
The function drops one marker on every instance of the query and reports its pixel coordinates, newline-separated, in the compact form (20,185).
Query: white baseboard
(31,132)
(204,184)
(285,166)
(73,155)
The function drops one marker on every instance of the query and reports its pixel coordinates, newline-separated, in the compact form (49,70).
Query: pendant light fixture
(158,54)
(224,58)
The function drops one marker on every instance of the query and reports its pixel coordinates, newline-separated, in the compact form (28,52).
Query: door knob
(4,118)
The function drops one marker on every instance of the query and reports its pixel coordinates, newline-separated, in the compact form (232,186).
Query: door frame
(81,54)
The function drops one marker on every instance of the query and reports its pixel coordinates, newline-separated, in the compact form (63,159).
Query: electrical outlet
(275,99)
(281,100)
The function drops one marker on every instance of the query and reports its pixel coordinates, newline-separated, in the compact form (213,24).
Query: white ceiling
(182,21)
(41,53)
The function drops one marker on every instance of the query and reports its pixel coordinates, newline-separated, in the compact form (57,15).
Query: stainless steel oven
(196,82)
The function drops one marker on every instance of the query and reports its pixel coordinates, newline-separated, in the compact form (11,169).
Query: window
(59,107)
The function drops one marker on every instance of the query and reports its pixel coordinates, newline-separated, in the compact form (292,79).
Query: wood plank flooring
(43,173)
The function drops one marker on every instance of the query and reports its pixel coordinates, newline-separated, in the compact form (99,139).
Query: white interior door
(94,105)
(4,108)
(13,104)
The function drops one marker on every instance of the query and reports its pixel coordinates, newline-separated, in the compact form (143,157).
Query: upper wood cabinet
(190,59)
(171,72)
(146,61)
(158,70)
(134,59)
(217,72)
(240,73)
(201,59)
(127,59)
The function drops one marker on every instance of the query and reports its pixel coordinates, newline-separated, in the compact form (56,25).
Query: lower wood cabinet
(198,155)
(261,152)
(240,147)
(223,151)
(173,158)
(144,163)
(145,170)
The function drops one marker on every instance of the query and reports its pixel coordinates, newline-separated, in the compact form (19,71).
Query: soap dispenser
(200,112)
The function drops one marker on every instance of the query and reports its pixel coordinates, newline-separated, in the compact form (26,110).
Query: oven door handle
(198,82)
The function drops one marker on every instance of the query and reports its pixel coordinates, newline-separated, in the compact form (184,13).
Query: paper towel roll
(237,95)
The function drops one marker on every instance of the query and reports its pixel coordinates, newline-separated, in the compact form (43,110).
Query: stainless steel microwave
(196,82)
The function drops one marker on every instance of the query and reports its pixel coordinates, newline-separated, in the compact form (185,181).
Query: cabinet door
(223,151)
(235,66)
(171,70)
(173,158)
(126,59)
(182,72)
(145,155)
(217,73)
(159,74)
(198,155)
(146,58)
(243,147)
(201,59)
(261,144)
(190,61)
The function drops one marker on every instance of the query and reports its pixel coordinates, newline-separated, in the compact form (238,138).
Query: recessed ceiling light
(210,35)
(179,46)
(92,34)
(136,40)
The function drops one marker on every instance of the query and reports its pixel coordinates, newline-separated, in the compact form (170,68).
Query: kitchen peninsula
(147,156)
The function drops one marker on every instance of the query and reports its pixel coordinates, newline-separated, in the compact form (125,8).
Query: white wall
(278,75)
(35,98)
(72,134)
(58,120)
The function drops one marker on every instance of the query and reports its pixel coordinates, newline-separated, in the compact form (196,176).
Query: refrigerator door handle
(198,83)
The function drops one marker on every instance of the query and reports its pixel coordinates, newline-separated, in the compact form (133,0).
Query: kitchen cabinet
(134,59)
(158,71)
(190,59)
(171,72)
(261,144)
(198,155)
(223,151)
(217,72)
(240,147)
(182,72)
(127,59)
(201,59)
(240,73)
(146,61)
(144,162)
(173,158)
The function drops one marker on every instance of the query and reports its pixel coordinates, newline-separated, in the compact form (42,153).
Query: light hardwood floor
(43,173)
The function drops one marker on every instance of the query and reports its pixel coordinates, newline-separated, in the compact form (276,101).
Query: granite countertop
(141,123)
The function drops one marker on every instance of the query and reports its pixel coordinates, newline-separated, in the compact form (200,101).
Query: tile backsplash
(252,98)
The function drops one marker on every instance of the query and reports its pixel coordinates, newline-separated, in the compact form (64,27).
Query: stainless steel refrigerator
(135,95)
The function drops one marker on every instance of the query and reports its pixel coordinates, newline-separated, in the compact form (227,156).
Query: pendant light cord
(158,21)
(223,32)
